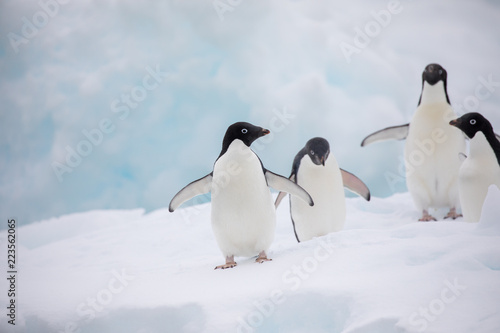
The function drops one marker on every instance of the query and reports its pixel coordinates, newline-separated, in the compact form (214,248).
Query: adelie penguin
(432,147)
(243,215)
(481,168)
(316,170)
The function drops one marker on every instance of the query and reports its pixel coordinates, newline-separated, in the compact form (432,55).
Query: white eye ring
(244,131)
(312,152)
(472,121)
(440,71)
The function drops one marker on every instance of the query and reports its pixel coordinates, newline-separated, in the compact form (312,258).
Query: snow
(127,271)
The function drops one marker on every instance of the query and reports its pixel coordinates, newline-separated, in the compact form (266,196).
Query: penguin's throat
(432,94)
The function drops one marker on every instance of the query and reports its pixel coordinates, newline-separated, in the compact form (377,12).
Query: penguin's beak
(455,122)
(264,132)
(323,160)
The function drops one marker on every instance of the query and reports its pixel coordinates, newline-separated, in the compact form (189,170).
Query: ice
(123,263)
(127,271)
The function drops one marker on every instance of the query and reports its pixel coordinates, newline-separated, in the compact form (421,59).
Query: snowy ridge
(126,271)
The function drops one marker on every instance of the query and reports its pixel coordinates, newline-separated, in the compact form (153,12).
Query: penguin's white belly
(243,214)
(324,184)
(478,172)
(432,157)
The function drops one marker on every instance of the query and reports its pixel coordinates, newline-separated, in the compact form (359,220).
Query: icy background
(253,62)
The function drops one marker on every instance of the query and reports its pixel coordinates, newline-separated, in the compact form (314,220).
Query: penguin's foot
(453,214)
(230,263)
(262,260)
(262,257)
(426,217)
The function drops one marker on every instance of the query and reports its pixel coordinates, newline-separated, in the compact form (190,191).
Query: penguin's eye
(312,152)
(472,121)
(244,131)
(440,71)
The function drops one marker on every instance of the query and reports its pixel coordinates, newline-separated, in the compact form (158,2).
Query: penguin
(481,168)
(243,215)
(432,148)
(316,170)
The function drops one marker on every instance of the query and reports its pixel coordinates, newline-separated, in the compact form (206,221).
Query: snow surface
(126,271)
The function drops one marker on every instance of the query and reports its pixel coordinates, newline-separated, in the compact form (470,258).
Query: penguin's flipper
(282,194)
(197,187)
(389,133)
(286,185)
(354,184)
(280,197)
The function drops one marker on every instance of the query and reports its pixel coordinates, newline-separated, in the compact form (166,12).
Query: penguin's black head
(245,132)
(318,150)
(434,73)
(471,123)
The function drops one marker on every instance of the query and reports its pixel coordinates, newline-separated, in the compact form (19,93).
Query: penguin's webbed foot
(226,266)
(453,214)
(230,263)
(262,260)
(262,257)
(426,217)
